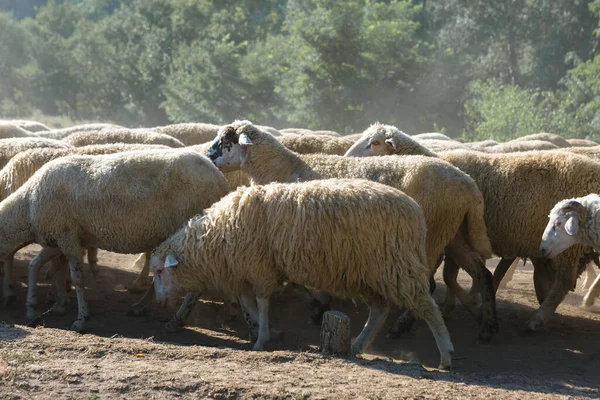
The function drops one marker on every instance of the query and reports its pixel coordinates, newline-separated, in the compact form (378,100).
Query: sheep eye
(375,143)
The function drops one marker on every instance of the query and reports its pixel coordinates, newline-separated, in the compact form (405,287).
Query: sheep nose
(544,251)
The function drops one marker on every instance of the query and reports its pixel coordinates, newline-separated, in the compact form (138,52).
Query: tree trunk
(335,333)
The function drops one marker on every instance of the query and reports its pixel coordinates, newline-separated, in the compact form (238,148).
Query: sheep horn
(576,206)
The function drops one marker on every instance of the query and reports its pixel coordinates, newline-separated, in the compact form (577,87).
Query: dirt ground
(133,358)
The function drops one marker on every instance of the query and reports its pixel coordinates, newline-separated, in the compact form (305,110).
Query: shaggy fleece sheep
(13,146)
(121,135)
(456,226)
(312,234)
(517,188)
(311,144)
(10,130)
(519,146)
(126,203)
(582,143)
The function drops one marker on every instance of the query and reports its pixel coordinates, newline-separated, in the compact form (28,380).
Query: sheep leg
(61,272)
(83,314)
(592,293)
(45,255)
(263,323)
(590,276)
(92,256)
(542,278)
(503,266)
(141,307)
(450,276)
(250,311)
(508,276)
(557,293)
(141,283)
(178,320)
(8,294)
(378,312)
(426,309)
(453,287)
(473,263)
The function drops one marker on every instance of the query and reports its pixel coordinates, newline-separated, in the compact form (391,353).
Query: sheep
(482,144)
(592,152)
(582,143)
(517,188)
(295,131)
(109,135)
(240,247)
(30,126)
(13,146)
(553,138)
(9,130)
(520,146)
(326,133)
(265,128)
(432,135)
(353,136)
(316,144)
(190,133)
(457,226)
(574,221)
(442,145)
(22,166)
(125,203)
(64,132)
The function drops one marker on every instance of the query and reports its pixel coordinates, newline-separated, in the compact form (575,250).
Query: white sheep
(23,165)
(312,233)
(571,222)
(30,126)
(513,223)
(431,135)
(64,132)
(13,146)
(125,203)
(122,135)
(455,227)
(10,130)
(310,144)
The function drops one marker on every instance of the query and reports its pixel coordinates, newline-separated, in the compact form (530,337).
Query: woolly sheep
(30,126)
(22,166)
(9,130)
(517,188)
(441,145)
(123,135)
(592,152)
(240,246)
(553,138)
(125,203)
(482,144)
(353,137)
(574,221)
(316,144)
(582,143)
(62,133)
(520,146)
(190,133)
(457,226)
(13,146)
(432,135)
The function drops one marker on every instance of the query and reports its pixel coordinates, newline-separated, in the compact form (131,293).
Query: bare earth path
(127,357)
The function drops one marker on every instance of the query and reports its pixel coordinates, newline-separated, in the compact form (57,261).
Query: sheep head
(225,150)
(161,265)
(563,226)
(376,140)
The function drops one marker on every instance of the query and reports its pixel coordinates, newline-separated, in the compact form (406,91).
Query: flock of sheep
(242,209)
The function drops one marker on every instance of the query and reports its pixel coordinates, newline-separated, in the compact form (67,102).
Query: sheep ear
(392,142)
(572,225)
(244,140)
(171,261)
(576,206)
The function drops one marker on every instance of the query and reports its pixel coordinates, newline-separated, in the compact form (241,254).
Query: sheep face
(562,228)
(373,142)
(225,150)
(164,285)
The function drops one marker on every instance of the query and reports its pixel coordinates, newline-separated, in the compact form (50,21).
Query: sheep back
(316,144)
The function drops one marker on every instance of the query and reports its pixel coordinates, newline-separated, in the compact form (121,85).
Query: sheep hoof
(533,324)
(445,366)
(137,310)
(258,347)
(8,300)
(173,326)
(78,326)
(138,286)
